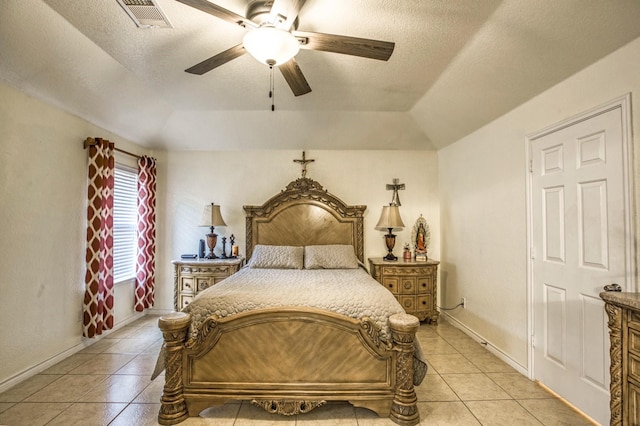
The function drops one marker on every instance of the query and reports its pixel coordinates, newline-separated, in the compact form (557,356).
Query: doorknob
(612,287)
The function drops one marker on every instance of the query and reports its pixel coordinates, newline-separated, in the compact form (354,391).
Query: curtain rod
(91,142)
(127,152)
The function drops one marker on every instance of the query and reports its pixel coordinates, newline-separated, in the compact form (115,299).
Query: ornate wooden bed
(290,361)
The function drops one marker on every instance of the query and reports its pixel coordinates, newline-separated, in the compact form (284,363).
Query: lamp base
(390,241)
(390,256)
(212,240)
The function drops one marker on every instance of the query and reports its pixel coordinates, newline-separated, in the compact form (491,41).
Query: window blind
(125,199)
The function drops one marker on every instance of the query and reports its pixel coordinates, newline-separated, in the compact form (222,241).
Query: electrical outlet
(463,302)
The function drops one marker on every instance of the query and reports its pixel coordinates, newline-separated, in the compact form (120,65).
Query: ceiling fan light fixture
(270,45)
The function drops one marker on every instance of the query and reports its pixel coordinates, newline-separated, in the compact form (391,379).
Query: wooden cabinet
(192,276)
(414,284)
(623,310)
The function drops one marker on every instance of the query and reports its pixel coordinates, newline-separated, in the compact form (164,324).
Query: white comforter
(350,292)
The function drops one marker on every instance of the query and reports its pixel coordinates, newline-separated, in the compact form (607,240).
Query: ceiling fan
(273,39)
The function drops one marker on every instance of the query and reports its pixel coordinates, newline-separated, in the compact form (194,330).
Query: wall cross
(395,186)
(303,163)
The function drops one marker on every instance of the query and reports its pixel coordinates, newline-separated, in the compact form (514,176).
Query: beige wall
(43,228)
(236,178)
(483,201)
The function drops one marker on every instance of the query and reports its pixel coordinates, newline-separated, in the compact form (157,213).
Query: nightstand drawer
(634,368)
(425,285)
(391,283)
(634,341)
(409,271)
(186,285)
(214,271)
(218,270)
(185,300)
(633,401)
(408,285)
(408,303)
(222,271)
(634,320)
(425,302)
(203,283)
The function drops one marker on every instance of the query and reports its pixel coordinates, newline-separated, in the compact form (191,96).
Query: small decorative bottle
(406,254)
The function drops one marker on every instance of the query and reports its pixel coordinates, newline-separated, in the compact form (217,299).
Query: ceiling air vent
(145,13)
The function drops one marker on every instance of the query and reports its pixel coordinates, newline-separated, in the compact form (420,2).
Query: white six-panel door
(579,238)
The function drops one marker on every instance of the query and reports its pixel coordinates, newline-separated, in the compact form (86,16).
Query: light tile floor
(465,385)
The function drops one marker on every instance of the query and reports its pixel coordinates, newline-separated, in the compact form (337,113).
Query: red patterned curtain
(98,296)
(145,266)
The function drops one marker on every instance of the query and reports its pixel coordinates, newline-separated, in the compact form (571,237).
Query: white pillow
(330,256)
(277,257)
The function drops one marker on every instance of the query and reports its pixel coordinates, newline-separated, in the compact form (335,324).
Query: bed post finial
(174,328)
(404,409)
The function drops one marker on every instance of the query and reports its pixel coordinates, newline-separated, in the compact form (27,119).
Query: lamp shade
(211,216)
(390,218)
(271,46)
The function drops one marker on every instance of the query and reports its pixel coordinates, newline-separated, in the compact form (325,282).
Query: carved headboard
(305,214)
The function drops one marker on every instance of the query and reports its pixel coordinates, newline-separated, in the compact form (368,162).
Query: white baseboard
(490,347)
(38,368)
(157,311)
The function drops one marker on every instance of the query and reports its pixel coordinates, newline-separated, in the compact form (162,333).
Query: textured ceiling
(457,65)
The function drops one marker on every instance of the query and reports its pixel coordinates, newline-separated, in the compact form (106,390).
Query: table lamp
(211,217)
(390,219)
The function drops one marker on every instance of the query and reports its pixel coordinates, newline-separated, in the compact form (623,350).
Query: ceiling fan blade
(294,77)
(374,49)
(285,12)
(217,60)
(218,12)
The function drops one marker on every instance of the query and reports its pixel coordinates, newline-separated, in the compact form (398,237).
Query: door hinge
(533,340)
(530,166)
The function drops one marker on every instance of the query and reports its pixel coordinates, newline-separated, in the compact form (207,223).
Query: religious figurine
(421,245)
(420,237)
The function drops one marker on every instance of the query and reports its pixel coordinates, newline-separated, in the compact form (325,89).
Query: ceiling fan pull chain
(272,89)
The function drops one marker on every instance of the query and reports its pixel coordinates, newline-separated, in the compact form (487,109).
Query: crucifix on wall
(303,163)
(395,186)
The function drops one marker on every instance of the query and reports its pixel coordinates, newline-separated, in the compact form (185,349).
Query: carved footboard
(288,361)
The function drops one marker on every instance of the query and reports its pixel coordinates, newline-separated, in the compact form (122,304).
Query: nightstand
(190,277)
(413,283)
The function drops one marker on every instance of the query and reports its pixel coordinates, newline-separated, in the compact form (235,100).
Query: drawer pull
(424,284)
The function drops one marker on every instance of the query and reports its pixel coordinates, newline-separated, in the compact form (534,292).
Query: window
(125,199)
